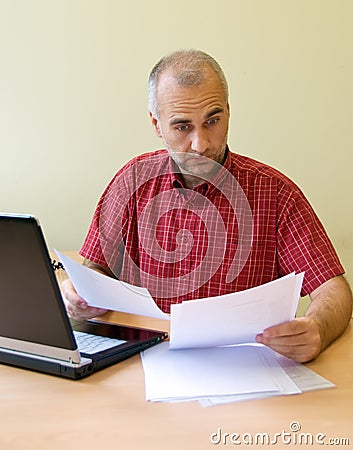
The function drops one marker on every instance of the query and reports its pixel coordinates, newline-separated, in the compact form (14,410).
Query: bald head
(189,68)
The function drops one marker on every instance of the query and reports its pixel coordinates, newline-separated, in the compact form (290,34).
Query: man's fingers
(298,339)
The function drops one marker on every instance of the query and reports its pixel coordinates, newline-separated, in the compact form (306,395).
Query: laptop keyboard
(91,343)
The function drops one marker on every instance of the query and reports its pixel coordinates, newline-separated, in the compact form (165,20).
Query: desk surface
(108,409)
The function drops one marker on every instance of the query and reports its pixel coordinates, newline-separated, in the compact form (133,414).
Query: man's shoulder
(249,167)
(149,158)
(143,167)
(244,163)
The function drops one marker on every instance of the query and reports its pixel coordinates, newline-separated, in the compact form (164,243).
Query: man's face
(193,123)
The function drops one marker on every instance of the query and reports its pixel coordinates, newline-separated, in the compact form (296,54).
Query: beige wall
(73,102)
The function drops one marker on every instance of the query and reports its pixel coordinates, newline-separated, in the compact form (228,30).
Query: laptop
(35,330)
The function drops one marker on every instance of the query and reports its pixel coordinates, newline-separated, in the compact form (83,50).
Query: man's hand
(299,339)
(326,318)
(76,306)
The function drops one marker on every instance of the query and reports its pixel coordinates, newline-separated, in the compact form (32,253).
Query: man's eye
(182,128)
(212,121)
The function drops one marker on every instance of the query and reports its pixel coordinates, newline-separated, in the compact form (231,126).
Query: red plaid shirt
(246,226)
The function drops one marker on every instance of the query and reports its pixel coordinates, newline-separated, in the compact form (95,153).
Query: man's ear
(155,124)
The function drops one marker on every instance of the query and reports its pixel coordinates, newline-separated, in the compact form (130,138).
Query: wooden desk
(108,409)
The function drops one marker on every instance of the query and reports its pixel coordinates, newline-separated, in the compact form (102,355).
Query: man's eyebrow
(215,111)
(179,120)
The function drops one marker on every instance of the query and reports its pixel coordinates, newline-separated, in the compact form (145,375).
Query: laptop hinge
(40,350)
(83,361)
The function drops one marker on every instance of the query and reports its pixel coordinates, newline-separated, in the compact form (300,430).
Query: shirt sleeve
(303,244)
(104,242)
(91,248)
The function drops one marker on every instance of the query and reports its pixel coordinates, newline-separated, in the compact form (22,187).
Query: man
(196,220)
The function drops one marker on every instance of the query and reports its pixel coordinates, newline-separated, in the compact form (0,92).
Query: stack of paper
(210,372)
(224,374)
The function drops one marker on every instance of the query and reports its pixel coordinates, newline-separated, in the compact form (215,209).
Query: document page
(194,374)
(304,378)
(234,318)
(104,292)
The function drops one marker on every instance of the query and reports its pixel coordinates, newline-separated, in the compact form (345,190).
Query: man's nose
(199,141)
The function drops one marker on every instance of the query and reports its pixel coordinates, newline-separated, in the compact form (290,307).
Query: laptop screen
(31,306)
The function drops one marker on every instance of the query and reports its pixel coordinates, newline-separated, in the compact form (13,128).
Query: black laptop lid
(30,299)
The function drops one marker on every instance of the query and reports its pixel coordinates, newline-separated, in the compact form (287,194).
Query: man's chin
(200,168)
(194,164)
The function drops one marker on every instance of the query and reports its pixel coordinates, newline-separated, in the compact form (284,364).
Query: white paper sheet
(190,374)
(304,378)
(105,292)
(234,318)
